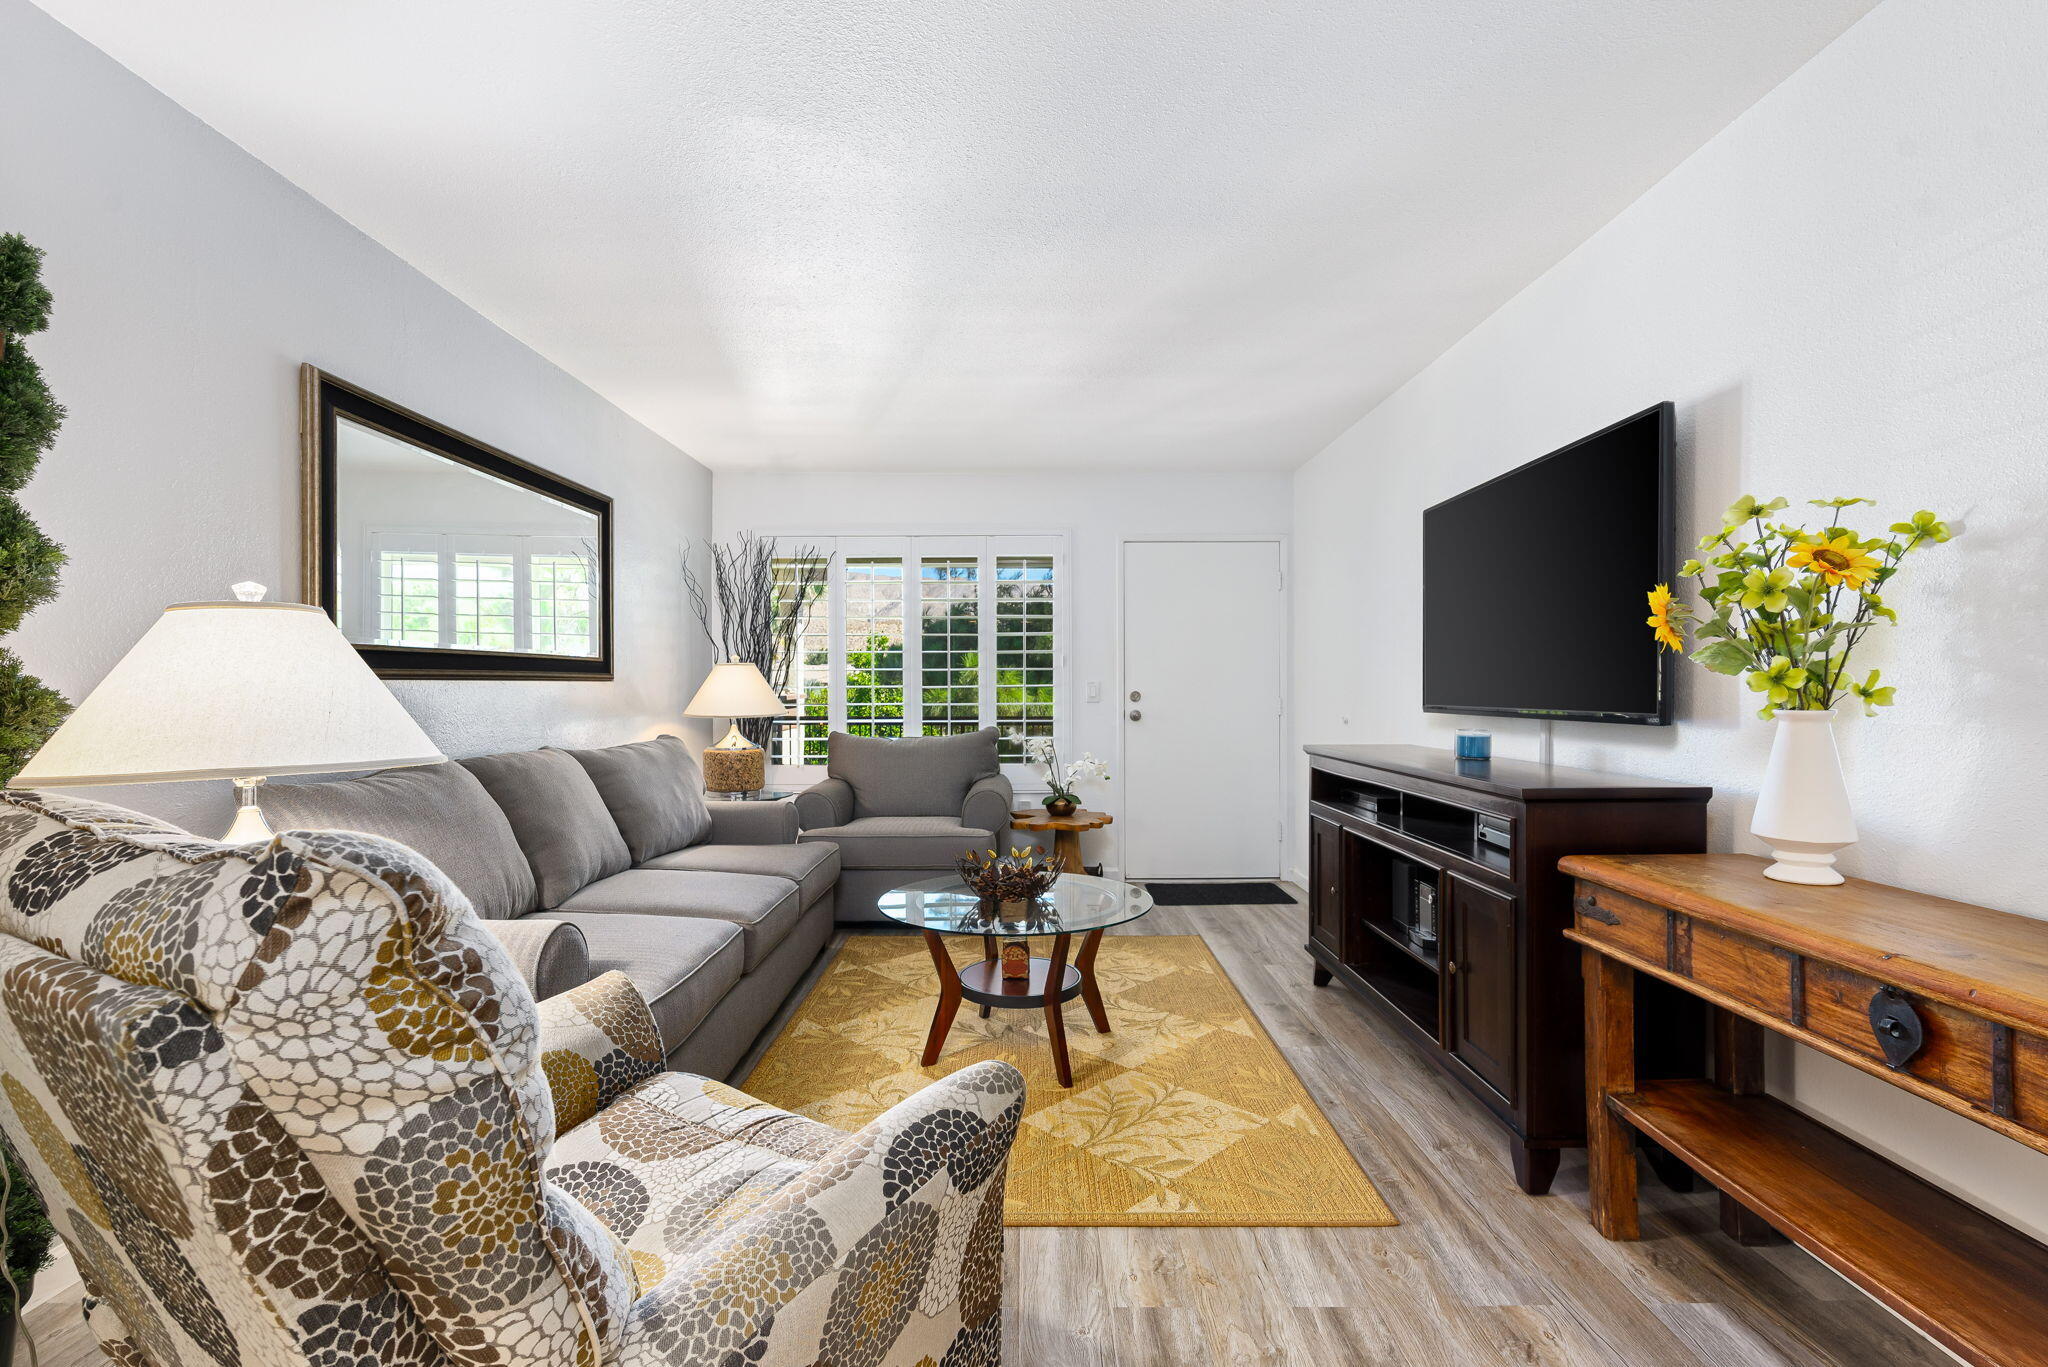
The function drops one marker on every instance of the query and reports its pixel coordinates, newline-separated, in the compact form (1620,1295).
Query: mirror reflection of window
(435,553)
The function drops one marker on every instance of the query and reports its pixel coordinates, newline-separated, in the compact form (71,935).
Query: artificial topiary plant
(29,709)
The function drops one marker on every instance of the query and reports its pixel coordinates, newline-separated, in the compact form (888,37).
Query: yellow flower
(1837,562)
(1660,622)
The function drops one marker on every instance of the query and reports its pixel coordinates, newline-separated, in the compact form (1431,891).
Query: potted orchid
(1061,800)
(1786,607)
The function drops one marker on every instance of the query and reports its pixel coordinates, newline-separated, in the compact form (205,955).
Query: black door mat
(1218,894)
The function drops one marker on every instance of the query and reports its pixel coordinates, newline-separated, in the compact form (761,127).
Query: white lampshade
(232,690)
(735,689)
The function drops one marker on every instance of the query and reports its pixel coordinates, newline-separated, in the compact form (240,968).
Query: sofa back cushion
(438,809)
(563,825)
(654,793)
(914,775)
(286,1100)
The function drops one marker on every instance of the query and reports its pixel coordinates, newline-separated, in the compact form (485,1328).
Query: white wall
(1095,511)
(1844,293)
(190,283)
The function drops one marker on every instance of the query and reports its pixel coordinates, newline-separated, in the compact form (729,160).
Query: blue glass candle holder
(1475,745)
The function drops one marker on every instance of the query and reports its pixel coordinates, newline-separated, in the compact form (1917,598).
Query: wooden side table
(1066,840)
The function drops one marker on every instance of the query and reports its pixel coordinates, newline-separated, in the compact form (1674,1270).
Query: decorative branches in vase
(1062,800)
(1785,608)
(761,602)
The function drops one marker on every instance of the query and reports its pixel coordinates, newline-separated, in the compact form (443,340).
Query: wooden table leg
(1067,845)
(1610,1068)
(1090,993)
(988,955)
(949,996)
(1055,1023)
(1739,1068)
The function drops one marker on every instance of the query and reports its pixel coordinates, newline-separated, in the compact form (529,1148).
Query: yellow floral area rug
(1184,1114)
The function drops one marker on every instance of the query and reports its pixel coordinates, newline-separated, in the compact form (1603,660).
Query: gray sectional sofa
(593,860)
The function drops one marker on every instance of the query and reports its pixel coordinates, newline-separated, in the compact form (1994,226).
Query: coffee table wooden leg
(949,996)
(1055,1023)
(1090,993)
(988,954)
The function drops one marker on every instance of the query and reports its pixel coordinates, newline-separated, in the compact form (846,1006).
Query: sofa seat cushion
(765,909)
(813,868)
(680,1157)
(654,793)
(681,966)
(901,842)
(563,825)
(440,810)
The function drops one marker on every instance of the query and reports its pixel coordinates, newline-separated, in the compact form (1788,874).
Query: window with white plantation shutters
(1025,660)
(872,645)
(801,740)
(926,636)
(949,645)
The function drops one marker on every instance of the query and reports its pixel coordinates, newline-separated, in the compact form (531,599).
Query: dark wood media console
(1497,1000)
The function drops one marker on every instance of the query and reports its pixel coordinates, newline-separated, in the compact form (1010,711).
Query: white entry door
(1203,624)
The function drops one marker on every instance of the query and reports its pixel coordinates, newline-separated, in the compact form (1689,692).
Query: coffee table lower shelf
(1976,1285)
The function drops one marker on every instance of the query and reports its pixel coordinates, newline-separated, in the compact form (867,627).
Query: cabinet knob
(1450,967)
(1136,715)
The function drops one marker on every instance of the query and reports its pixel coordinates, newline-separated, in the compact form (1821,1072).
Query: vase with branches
(754,607)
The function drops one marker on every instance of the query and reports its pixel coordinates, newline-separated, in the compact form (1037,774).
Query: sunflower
(1660,620)
(1839,561)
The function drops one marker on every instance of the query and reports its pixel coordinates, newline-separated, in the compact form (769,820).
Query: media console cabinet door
(1326,885)
(1481,979)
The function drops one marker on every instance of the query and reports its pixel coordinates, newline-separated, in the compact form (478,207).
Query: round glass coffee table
(1076,905)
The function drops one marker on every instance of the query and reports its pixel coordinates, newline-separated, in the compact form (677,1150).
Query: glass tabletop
(1075,904)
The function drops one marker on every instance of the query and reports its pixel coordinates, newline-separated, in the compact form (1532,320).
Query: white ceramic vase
(1803,811)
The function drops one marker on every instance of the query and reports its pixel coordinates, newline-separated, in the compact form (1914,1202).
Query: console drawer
(1956,1050)
(1614,918)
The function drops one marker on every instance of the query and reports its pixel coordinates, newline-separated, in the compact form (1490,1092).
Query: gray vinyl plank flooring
(1476,1275)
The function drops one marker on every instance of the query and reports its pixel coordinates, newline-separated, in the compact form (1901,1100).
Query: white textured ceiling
(882,234)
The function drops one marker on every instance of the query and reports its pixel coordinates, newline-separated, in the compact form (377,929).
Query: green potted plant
(29,1237)
(29,710)
(1785,608)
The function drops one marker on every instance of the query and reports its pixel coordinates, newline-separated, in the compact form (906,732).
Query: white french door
(1203,641)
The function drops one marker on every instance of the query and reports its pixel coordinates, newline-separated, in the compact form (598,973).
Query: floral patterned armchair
(290,1103)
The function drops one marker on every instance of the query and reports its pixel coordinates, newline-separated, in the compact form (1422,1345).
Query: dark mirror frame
(321,399)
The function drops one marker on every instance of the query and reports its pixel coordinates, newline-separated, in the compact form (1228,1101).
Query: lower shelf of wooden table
(1977,1286)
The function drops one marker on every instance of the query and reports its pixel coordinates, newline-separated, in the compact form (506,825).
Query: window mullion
(985,660)
(913,638)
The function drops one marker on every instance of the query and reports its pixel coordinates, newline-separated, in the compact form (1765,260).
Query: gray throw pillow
(438,809)
(654,792)
(914,775)
(568,834)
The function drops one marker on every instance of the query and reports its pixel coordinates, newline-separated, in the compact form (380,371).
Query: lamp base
(249,826)
(735,765)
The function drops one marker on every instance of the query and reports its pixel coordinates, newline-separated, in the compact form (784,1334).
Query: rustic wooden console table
(1942,999)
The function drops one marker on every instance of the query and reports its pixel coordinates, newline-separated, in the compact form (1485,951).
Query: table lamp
(240,690)
(735,689)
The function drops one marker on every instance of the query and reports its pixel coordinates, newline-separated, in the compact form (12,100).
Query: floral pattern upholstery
(291,1103)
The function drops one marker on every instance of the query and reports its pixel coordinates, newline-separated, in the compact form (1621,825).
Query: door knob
(1136,715)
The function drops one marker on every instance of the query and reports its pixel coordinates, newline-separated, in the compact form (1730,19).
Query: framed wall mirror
(443,558)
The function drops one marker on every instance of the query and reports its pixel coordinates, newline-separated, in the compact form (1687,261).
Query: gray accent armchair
(904,810)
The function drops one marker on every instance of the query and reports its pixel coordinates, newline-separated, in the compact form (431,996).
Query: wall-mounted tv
(1533,583)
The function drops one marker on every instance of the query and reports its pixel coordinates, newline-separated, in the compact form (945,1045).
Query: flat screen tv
(1533,583)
